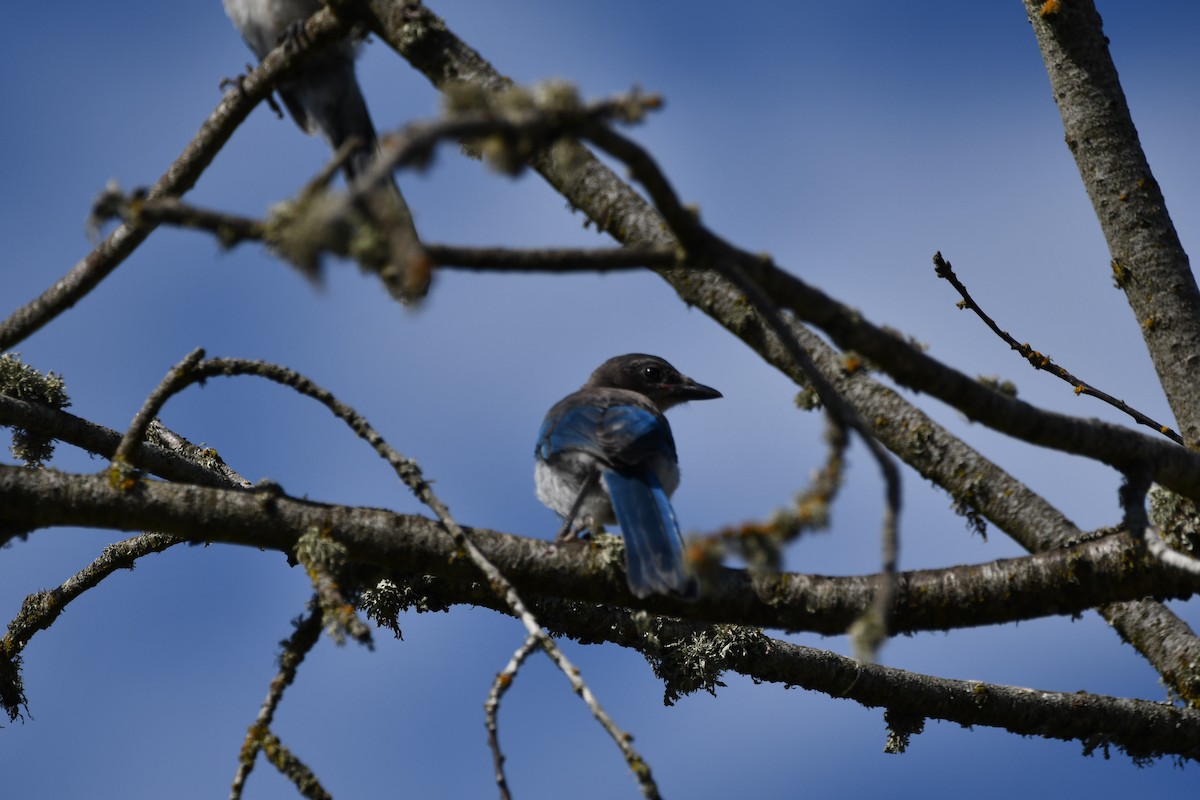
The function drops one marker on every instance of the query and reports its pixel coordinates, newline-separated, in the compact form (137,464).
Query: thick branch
(1143,729)
(103,441)
(1148,259)
(1119,447)
(692,657)
(1104,570)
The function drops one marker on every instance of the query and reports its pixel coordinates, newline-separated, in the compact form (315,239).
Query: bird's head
(652,377)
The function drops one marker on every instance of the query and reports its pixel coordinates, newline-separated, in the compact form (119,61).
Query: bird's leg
(569,530)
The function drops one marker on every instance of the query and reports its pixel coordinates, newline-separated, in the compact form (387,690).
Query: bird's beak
(688,389)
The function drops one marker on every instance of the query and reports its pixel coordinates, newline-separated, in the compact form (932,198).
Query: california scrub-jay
(323,97)
(605,454)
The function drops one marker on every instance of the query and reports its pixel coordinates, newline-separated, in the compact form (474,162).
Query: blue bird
(605,454)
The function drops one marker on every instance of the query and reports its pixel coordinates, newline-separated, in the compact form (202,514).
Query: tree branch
(321,30)
(691,657)
(258,736)
(1111,568)
(231,230)
(1148,260)
(103,441)
(491,708)
(1037,360)
(40,609)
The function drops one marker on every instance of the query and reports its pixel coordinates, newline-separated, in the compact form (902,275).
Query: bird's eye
(652,373)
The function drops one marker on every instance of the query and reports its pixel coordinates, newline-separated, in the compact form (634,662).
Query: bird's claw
(238,84)
(294,36)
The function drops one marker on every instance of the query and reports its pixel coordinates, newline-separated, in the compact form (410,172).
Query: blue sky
(849,140)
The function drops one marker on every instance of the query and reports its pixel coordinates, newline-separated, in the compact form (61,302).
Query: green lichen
(901,727)
(995,383)
(968,500)
(384,602)
(1177,520)
(319,552)
(23,382)
(697,662)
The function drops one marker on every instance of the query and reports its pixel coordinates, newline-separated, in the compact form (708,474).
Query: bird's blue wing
(572,429)
(619,435)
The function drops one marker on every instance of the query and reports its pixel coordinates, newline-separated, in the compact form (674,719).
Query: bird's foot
(294,36)
(577,529)
(238,84)
(566,533)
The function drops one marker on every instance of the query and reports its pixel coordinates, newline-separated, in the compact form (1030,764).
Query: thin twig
(233,229)
(509,131)
(40,609)
(1040,361)
(320,30)
(137,209)
(555,260)
(175,380)
(491,708)
(758,543)
(258,736)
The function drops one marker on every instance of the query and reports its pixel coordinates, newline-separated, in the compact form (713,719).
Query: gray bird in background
(323,97)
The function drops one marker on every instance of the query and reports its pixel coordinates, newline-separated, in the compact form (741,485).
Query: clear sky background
(850,140)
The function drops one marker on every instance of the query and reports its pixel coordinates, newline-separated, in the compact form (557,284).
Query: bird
(323,96)
(605,454)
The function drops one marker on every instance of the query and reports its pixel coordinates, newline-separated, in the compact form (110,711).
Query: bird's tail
(325,98)
(654,557)
(351,120)
(330,102)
